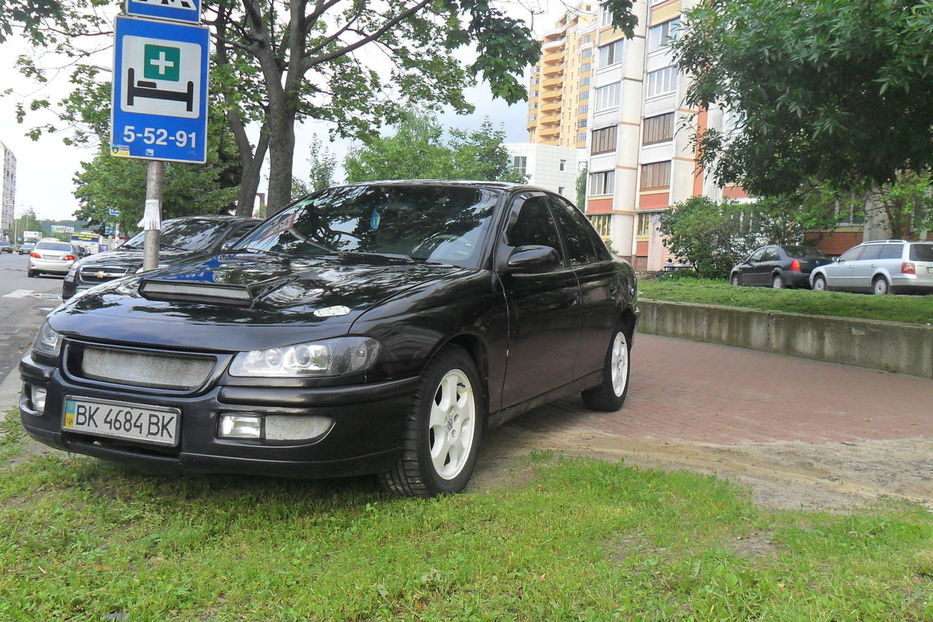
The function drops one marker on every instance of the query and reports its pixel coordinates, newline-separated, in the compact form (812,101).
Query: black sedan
(778,266)
(376,328)
(181,239)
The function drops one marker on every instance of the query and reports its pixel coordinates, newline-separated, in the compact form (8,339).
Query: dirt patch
(781,475)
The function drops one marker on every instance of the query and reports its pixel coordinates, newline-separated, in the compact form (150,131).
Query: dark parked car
(6,247)
(25,248)
(376,328)
(779,266)
(181,239)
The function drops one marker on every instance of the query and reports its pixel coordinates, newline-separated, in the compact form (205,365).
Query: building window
(583,109)
(656,175)
(587,38)
(662,81)
(581,123)
(563,164)
(658,129)
(659,36)
(601,223)
(604,140)
(585,67)
(643,226)
(607,96)
(610,54)
(654,2)
(584,95)
(581,138)
(584,81)
(520,164)
(560,189)
(587,53)
(605,17)
(602,182)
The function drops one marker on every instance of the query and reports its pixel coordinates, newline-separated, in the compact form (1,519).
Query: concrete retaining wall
(890,346)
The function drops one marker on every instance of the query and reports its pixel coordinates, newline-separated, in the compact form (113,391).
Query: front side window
(535,226)
(852,254)
(437,223)
(183,235)
(576,233)
(871,252)
(602,183)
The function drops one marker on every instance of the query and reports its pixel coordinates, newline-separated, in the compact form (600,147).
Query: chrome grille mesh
(145,369)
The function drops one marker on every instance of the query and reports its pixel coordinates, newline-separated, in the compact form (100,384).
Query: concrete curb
(9,392)
(889,346)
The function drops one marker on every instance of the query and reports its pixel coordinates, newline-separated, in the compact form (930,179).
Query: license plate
(930,269)
(146,424)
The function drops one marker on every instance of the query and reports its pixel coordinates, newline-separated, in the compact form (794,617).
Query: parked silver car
(881,267)
(51,256)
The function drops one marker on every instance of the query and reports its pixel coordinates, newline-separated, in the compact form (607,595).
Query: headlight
(47,341)
(332,357)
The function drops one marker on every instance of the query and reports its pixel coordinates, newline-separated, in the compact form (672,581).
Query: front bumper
(365,436)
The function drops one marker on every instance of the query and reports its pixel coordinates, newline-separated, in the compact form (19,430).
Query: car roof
(214,218)
(495,185)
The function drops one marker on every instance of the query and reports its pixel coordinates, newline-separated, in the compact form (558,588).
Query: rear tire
(777,282)
(610,394)
(32,274)
(819,283)
(880,286)
(443,429)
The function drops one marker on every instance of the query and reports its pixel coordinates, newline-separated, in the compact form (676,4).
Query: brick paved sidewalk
(707,393)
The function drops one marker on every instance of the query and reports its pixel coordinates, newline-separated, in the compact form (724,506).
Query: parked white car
(51,256)
(881,267)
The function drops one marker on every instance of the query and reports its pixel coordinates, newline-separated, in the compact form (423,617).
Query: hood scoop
(196,291)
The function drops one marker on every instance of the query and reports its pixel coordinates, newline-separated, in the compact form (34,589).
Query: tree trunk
(281,157)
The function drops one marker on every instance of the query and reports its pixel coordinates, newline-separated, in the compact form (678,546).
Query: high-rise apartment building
(559,89)
(7,192)
(641,159)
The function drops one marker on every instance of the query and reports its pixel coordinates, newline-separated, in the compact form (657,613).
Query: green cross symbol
(161,62)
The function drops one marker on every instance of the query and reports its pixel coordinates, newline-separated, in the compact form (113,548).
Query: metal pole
(152,218)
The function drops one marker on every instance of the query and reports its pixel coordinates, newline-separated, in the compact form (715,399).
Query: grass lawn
(582,540)
(913,309)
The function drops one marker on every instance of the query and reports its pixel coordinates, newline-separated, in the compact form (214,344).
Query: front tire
(612,391)
(819,283)
(735,280)
(443,429)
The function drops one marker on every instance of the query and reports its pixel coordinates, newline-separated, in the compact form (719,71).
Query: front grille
(100,274)
(145,369)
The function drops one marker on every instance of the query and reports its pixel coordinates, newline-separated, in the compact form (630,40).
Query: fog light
(38,399)
(295,427)
(240,426)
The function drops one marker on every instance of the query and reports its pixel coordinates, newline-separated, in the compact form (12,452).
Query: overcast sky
(45,168)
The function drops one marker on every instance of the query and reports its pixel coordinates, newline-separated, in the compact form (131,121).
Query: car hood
(292,294)
(132,258)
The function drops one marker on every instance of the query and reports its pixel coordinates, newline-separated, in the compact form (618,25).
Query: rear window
(921,252)
(806,252)
(54,246)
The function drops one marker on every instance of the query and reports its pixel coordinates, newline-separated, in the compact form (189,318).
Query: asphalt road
(24,303)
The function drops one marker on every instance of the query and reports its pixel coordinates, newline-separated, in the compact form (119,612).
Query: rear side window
(804,252)
(871,252)
(535,226)
(921,252)
(892,251)
(769,255)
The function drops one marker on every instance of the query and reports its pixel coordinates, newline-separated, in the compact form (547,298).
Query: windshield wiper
(173,247)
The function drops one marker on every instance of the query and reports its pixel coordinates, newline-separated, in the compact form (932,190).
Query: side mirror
(227,245)
(835,260)
(532,259)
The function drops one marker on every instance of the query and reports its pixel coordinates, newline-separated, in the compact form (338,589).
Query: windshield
(184,235)
(439,223)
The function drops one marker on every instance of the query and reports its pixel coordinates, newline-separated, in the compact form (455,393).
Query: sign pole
(152,218)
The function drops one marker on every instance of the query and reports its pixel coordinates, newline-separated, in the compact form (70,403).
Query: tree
(837,91)
(359,65)
(323,164)
(711,236)
(582,177)
(907,204)
(418,150)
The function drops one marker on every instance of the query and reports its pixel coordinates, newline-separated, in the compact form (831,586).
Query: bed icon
(146,88)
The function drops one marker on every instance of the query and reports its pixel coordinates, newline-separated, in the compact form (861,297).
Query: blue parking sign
(159,107)
(176,10)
